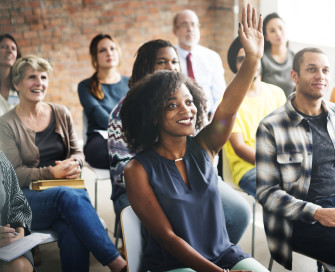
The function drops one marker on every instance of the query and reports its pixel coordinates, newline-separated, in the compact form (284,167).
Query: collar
(297,118)
(183,53)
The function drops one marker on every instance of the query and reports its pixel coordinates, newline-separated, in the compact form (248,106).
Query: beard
(192,40)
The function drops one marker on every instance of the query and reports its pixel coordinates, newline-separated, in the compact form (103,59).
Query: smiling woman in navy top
(99,94)
(171,183)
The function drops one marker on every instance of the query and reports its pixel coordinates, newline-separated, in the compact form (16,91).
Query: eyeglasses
(188,25)
(239,59)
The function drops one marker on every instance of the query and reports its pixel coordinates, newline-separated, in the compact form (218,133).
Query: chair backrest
(132,238)
(84,128)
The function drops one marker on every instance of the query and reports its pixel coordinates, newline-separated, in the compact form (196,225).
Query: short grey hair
(21,65)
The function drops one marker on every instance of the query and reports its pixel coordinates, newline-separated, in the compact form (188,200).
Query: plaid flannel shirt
(284,152)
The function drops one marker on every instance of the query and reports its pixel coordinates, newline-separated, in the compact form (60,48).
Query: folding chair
(132,238)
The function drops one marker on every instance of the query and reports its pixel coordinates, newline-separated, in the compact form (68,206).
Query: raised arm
(147,208)
(213,136)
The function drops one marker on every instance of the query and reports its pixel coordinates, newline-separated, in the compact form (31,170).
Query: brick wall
(61,31)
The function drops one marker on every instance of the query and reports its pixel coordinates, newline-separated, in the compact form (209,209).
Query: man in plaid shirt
(295,158)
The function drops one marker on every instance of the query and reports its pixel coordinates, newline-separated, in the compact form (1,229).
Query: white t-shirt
(6,105)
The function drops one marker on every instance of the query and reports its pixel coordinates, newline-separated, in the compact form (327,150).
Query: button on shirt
(208,73)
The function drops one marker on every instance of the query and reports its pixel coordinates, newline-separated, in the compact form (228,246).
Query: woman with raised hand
(9,53)
(278,58)
(39,140)
(171,182)
(99,94)
(153,56)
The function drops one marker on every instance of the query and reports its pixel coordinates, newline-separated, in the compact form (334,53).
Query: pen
(15,233)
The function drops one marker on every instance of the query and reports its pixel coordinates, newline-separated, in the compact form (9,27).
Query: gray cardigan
(18,143)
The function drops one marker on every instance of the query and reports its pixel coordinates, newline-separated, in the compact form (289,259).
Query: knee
(20,264)
(73,198)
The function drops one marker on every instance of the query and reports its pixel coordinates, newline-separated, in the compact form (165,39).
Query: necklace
(180,159)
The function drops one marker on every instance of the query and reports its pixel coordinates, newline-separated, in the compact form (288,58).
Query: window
(309,21)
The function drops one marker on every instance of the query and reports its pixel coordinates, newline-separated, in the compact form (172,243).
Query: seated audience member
(278,58)
(171,182)
(99,94)
(9,52)
(39,140)
(15,215)
(152,56)
(200,63)
(261,99)
(295,171)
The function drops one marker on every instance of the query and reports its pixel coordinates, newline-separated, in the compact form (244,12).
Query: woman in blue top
(171,182)
(99,94)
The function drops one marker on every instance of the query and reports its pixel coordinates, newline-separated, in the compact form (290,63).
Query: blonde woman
(39,140)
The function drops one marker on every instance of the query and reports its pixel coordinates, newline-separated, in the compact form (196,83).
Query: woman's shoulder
(125,78)
(60,109)
(84,84)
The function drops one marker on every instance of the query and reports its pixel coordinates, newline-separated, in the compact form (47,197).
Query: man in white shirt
(206,65)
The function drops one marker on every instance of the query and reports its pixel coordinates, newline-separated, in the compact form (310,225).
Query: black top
(50,144)
(323,170)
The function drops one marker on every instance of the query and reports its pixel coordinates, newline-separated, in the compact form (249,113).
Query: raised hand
(251,33)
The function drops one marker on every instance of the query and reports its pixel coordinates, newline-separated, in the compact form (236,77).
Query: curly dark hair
(145,59)
(144,103)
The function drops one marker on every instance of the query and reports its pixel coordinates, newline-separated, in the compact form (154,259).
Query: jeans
(236,209)
(248,182)
(70,213)
(96,152)
(316,240)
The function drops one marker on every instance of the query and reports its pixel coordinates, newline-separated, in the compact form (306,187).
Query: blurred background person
(99,94)
(200,63)
(9,53)
(278,58)
(261,99)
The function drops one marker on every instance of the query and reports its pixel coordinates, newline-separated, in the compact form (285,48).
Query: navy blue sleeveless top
(195,213)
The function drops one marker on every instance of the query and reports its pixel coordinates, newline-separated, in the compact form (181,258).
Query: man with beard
(198,62)
(261,99)
(295,171)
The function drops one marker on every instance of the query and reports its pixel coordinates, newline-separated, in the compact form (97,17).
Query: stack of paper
(21,246)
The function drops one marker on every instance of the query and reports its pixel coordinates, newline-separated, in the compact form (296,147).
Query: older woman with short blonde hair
(40,141)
